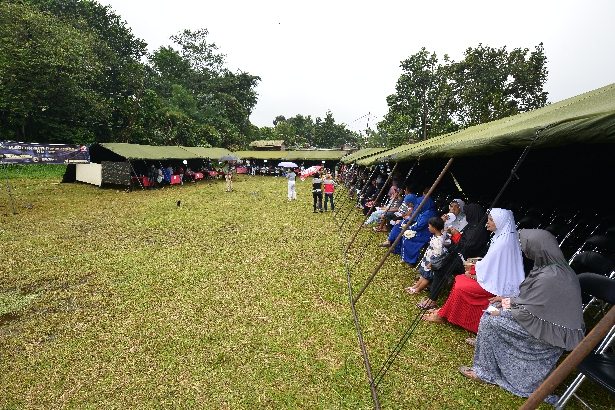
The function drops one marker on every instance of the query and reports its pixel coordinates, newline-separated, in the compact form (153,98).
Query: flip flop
(464,371)
(471,341)
(424,305)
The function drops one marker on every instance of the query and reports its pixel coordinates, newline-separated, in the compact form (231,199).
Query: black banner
(30,153)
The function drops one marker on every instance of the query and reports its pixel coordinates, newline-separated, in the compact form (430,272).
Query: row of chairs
(595,264)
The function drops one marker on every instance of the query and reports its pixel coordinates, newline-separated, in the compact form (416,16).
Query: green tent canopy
(360,154)
(269,155)
(586,118)
(212,153)
(314,155)
(135,151)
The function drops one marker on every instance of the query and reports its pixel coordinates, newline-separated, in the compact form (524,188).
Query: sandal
(433,318)
(471,341)
(425,306)
(464,370)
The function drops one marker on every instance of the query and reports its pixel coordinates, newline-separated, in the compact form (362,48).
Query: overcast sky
(344,56)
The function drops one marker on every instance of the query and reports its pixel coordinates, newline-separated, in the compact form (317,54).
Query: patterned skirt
(507,355)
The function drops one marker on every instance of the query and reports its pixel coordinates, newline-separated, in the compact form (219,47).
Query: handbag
(442,260)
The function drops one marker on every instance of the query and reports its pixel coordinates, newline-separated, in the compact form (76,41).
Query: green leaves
(434,98)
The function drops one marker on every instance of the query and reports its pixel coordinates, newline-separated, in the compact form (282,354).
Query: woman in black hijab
(472,244)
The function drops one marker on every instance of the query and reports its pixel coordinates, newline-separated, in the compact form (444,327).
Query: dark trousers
(329,197)
(440,276)
(317,200)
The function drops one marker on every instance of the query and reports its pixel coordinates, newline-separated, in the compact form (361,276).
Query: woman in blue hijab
(413,242)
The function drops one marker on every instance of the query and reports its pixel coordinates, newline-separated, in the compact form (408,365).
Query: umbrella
(286,164)
(310,171)
(229,157)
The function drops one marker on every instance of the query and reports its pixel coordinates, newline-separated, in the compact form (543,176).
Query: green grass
(235,300)
(38,171)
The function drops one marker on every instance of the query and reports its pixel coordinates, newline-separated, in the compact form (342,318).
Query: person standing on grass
(317,192)
(229,178)
(329,185)
(292,192)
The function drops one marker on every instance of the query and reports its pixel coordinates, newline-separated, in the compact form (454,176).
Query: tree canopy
(72,71)
(434,97)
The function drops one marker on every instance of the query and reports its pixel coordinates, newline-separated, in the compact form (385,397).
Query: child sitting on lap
(436,248)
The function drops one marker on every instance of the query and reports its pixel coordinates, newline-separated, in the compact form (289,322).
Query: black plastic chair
(560,231)
(598,366)
(530,222)
(597,263)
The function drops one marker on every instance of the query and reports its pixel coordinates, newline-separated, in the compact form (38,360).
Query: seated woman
(518,345)
(499,274)
(393,206)
(412,243)
(457,208)
(471,242)
(407,208)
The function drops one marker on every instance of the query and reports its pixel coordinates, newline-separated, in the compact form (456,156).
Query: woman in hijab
(417,234)
(457,208)
(499,273)
(471,242)
(518,345)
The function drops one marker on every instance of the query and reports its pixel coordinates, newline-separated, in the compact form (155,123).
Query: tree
(434,98)
(491,83)
(421,104)
(328,134)
(51,75)
(119,52)
(223,100)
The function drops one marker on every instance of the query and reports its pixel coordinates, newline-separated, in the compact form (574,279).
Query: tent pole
(371,208)
(414,214)
(360,193)
(570,363)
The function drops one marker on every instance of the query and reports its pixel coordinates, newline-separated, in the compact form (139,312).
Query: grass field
(119,300)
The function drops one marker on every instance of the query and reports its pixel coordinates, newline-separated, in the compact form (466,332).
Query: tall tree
(119,51)
(224,100)
(492,83)
(51,75)
(434,98)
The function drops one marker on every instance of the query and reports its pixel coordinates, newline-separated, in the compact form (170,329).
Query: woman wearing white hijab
(499,274)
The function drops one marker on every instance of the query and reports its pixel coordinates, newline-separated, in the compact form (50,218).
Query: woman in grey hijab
(519,343)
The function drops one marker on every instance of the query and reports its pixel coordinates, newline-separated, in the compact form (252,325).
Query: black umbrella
(229,157)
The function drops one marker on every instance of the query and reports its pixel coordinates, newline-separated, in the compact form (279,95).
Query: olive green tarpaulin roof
(274,155)
(586,118)
(362,153)
(212,153)
(267,143)
(314,155)
(135,151)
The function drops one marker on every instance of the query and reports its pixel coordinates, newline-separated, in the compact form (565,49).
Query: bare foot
(433,318)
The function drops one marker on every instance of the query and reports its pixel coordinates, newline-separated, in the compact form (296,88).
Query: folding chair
(529,222)
(598,366)
(596,263)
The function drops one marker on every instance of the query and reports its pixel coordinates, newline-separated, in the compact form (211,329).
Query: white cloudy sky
(344,56)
